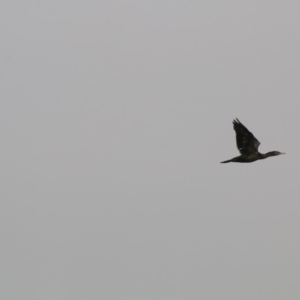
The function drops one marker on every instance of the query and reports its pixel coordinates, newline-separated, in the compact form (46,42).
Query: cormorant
(247,145)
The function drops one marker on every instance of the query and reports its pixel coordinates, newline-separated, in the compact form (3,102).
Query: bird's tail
(235,159)
(226,161)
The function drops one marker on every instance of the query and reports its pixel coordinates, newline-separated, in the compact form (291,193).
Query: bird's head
(274,153)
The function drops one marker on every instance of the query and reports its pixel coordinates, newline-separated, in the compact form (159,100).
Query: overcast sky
(114,117)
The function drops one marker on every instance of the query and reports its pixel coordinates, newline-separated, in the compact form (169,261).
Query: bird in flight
(248,145)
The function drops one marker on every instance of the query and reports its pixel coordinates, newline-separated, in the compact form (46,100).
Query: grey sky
(114,118)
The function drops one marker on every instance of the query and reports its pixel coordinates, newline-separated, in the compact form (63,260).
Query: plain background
(114,117)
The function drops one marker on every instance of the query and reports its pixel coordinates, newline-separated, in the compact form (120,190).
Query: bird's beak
(282,152)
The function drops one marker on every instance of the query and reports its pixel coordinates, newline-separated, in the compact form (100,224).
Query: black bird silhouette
(247,145)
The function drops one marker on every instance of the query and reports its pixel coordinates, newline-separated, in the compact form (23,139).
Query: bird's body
(248,145)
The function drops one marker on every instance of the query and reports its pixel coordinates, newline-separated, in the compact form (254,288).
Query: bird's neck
(268,154)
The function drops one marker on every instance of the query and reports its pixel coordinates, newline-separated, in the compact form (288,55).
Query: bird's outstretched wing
(245,140)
